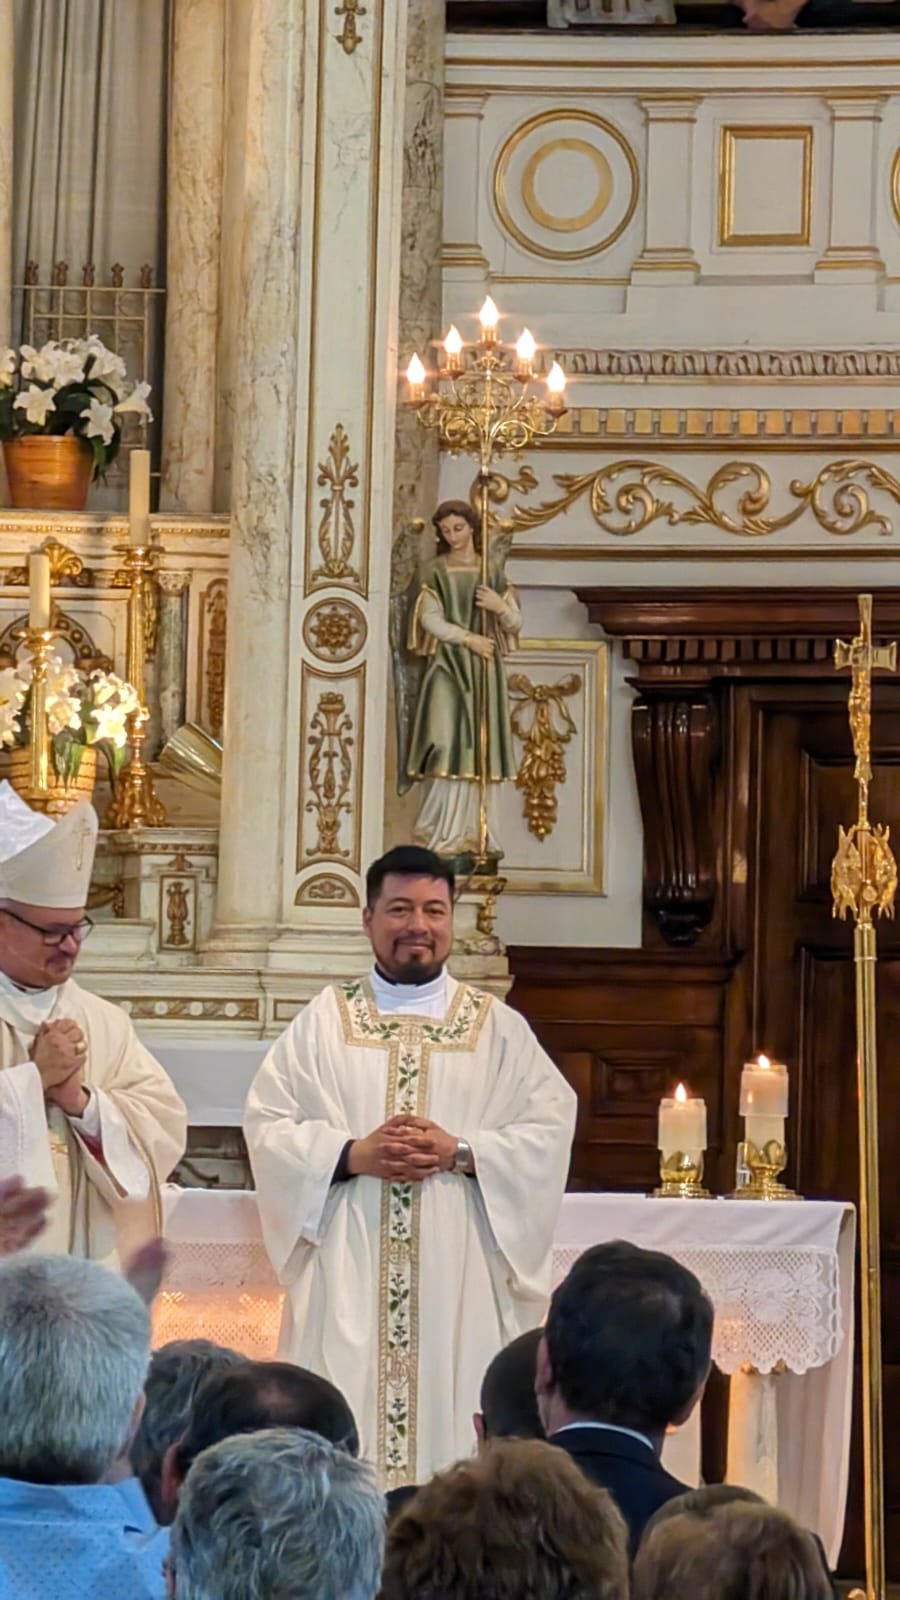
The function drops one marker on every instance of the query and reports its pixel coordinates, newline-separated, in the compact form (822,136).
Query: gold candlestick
(681,1176)
(39,644)
(863,879)
(134,803)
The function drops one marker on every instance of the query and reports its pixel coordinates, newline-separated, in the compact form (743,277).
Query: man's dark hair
(265,1394)
(176,1370)
(628,1335)
(508,1401)
(410,861)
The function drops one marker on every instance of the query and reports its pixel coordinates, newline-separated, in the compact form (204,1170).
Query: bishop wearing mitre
(410,1143)
(85,1111)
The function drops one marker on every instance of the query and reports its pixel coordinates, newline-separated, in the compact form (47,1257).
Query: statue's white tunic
(101,1208)
(401,1294)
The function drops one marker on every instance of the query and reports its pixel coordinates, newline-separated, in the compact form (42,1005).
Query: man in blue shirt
(74,1349)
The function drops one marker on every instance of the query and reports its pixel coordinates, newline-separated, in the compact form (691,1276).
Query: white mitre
(42,862)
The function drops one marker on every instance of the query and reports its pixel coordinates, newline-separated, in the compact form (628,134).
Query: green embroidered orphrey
(410,1042)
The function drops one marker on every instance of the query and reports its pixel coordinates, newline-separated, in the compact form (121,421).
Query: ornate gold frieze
(801,366)
(624,500)
(67,570)
(337,530)
(349,36)
(334,630)
(151,1008)
(742,428)
(545,725)
(330,772)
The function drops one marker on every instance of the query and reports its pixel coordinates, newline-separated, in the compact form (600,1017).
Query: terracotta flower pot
(48,473)
(61,797)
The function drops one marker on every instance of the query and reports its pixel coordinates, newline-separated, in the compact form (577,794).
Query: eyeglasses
(55,936)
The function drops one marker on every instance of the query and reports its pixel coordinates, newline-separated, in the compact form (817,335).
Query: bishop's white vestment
(103,1170)
(402,1293)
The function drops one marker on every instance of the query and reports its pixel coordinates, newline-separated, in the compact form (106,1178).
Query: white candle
(764,1101)
(39,585)
(139,498)
(682,1124)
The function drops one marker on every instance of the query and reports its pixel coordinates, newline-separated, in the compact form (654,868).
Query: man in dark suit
(625,1356)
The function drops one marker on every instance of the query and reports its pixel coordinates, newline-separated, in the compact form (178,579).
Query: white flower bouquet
(69,386)
(84,710)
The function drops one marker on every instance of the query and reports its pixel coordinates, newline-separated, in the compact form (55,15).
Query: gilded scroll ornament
(544,723)
(330,772)
(326,889)
(216,610)
(627,497)
(67,570)
(349,36)
(337,530)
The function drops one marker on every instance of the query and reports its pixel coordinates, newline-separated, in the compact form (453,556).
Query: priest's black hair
(409,861)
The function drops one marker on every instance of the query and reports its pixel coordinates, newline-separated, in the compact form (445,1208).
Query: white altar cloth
(780,1276)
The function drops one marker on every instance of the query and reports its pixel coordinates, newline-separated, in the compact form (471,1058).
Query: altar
(780,1276)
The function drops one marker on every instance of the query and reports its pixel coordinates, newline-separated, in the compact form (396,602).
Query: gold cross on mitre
(81,834)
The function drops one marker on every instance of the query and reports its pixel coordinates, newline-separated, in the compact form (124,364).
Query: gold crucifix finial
(864,872)
(861,656)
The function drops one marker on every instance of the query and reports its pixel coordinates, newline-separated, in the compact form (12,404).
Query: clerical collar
(391,996)
(26,1009)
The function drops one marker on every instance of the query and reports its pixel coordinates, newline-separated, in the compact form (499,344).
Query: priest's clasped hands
(59,1053)
(403,1150)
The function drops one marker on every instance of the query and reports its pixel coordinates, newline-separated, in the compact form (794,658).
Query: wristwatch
(464,1160)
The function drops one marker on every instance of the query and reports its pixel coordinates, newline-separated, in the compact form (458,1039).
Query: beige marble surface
(194,227)
(262,475)
(421,230)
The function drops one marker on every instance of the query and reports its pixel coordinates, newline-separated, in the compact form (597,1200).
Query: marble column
(307,655)
(266,314)
(417,459)
(194,228)
(171,651)
(6,187)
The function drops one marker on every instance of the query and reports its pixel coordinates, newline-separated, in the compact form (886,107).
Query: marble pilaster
(194,226)
(416,459)
(6,184)
(171,651)
(852,255)
(250,880)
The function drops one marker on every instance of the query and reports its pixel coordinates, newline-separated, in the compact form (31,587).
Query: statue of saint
(455,739)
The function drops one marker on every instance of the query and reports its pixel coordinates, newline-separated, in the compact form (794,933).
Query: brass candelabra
(39,644)
(863,880)
(482,403)
(134,803)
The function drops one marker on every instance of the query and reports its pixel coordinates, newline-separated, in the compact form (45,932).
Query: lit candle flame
(681,1094)
(525,347)
(556,379)
(453,342)
(764,1062)
(415,373)
(489,316)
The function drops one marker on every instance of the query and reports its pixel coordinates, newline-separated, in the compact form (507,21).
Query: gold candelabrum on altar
(481,401)
(863,881)
(134,803)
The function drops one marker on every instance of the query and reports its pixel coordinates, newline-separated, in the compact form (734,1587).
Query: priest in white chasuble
(410,1143)
(85,1111)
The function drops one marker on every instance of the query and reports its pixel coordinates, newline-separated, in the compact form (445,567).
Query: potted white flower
(60,418)
(87,714)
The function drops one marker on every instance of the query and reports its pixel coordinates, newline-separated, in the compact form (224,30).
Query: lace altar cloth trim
(772,1305)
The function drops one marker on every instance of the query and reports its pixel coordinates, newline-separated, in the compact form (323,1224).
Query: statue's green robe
(445,735)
